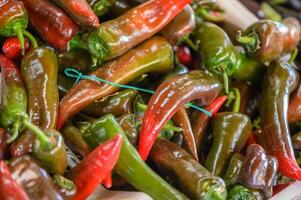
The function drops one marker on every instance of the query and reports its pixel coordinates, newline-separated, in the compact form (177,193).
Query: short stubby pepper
(34,180)
(80,11)
(193,179)
(116,36)
(153,56)
(259,170)
(169,98)
(230,134)
(216,49)
(279,80)
(181,26)
(267,40)
(52,23)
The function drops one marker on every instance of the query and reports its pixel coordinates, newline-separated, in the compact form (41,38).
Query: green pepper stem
(226,82)
(15,131)
(237,100)
(77,42)
(141,106)
(172,128)
(210,15)
(216,195)
(20,36)
(63,182)
(31,38)
(245,39)
(101,7)
(293,56)
(45,142)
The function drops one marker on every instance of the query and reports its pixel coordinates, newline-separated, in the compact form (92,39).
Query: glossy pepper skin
(115,37)
(39,70)
(12,47)
(193,179)
(9,188)
(34,180)
(259,170)
(74,140)
(153,56)
(231,176)
(271,39)
(217,54)
(279,80)
(80,11)
(54,157)
(129,165)
(88,174)
(169,98)
(294,106)
(230,134)
(52,23)
(117,104)
(181,26)
(13,19)
(129,125)
(239,192)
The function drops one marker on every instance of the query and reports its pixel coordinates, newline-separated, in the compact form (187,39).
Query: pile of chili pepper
(155,96)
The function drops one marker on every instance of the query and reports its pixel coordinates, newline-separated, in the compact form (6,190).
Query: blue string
(73,73)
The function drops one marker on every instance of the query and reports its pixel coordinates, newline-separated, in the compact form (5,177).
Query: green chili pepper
(193,179)
(130,166)
(232,174)
(218,54)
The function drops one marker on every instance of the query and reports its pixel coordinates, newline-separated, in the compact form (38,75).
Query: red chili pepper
(51,22)
(184,55)
(9,188)
(278,188)
(12,47)
(169,98)
(107,182)
(251,140)
(96,167)
(216,105)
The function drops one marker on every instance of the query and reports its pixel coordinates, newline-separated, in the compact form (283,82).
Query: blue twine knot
(73,73)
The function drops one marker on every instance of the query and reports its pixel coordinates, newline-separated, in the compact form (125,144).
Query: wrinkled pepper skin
(180,27)
(232,174)
(296,140)
(169,98)
(130,166)
(52,23)
(39,70)
(153,56)
(34,180)
(279,80)
(13,17)
(193,179)
(217,54)
(272,39)
(78,59)
(259,170)
(116,104)
(230,134)
(54,159)
(116,36)
(240,192)
(9,188)
(80,11)
(13,95)
(73,139)
(294,106)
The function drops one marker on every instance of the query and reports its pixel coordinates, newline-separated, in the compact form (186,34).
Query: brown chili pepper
(294,106)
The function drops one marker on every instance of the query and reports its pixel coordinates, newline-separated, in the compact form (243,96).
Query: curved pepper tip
(289,168)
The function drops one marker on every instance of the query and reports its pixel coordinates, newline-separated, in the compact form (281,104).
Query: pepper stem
(293,56)
(20,36)
(237,100)
(210,15)
(45,142)
(216,195)
(63,182)
(251,41)
(172,128)
(101,7)
(226,82)
(33,41)
(15,131)
(77,42)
